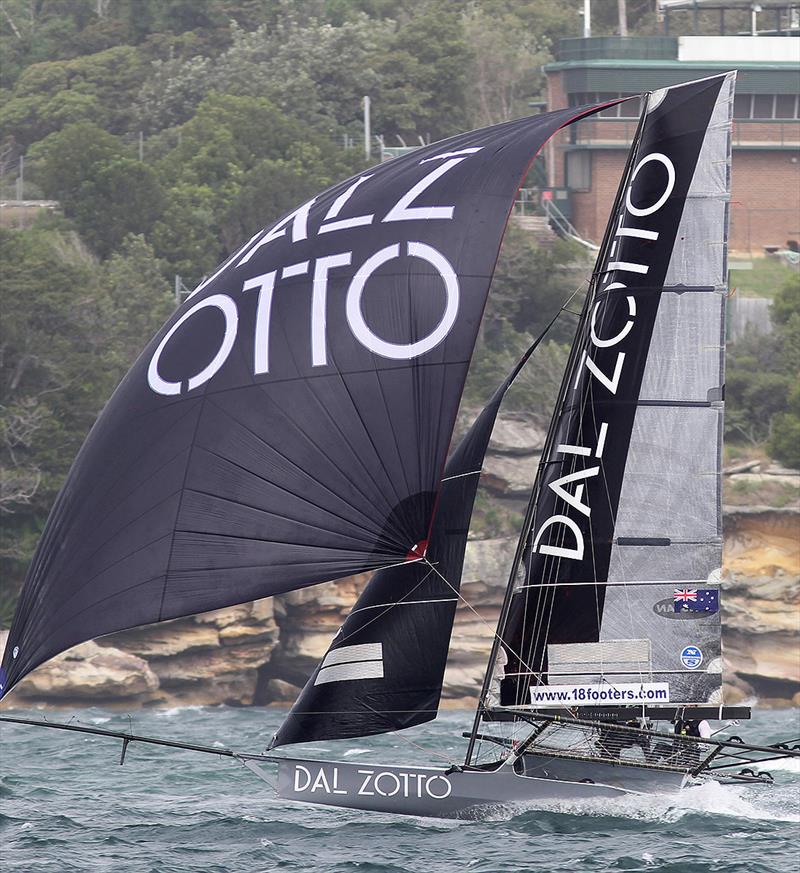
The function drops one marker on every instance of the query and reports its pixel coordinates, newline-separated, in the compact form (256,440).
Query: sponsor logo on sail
(314,275)
(691,657)
(605,360)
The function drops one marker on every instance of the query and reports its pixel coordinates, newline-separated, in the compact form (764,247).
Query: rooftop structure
(585,162)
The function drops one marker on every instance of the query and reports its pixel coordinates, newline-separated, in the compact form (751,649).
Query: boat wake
(753,803)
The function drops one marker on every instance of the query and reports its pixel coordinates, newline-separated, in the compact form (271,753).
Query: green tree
(122,197)
(52,377)
(99,88)
(784,444)
(763,372)
(63,161)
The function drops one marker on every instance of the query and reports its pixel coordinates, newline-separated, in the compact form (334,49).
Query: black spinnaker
(290,422)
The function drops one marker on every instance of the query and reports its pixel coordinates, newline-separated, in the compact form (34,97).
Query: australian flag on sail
(696,600)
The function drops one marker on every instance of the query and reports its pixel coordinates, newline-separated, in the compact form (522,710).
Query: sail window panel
(670,485)
(570,660)
(679,562)
(699,256)
(684,362)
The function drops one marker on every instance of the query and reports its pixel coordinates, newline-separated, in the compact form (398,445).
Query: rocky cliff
(262,652)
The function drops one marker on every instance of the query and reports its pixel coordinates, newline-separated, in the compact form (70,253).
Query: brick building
(585,161)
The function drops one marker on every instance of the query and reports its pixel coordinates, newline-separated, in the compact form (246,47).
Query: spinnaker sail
(619,600)
(290,422)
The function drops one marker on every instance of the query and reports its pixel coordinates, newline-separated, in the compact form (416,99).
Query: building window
(629,109)
(579,170)
(763,105)
(785,106)
(742,106)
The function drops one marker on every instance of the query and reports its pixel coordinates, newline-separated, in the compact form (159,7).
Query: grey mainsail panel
(626,512)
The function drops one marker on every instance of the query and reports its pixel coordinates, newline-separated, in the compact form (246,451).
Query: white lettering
(319,298)
(299,222)
(404,211)
(297,776)
(265,285)
(344,223)
(558,551)
(637,233)
(613,383)
(574,500)
(627,267)
(606,343)
(228,308)
(321,782)
(390,775)
(367,774)
(401,351)
(649,210)
(447,787)
(601,440)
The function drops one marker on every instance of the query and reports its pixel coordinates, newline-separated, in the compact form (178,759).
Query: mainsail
(290,422)
(619,600)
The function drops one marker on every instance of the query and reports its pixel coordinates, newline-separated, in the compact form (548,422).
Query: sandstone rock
(754,479)
(237,634)
(208,666)
(221,617)
(309,645)
(90,673)
(509,476)
(488,562)
(777,470)
(517,435)
(165,640)
(736,690)
(278,691)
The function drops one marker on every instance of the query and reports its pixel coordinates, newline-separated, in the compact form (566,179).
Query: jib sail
(619,599)
(290,422)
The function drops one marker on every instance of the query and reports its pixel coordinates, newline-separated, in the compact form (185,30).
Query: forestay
(290,422)
(619,602)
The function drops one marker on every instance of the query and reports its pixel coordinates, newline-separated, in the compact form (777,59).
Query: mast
(528,520)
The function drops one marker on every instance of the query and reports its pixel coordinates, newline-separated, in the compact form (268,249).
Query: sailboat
(291,424)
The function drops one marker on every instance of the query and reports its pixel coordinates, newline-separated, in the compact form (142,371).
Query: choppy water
(66,805)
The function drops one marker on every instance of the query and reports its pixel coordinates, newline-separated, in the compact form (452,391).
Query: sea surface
(67,805)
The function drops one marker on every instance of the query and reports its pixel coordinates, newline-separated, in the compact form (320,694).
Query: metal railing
(564,227)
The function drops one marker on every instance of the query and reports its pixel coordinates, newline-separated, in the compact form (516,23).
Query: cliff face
(761,603)
(263,652)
